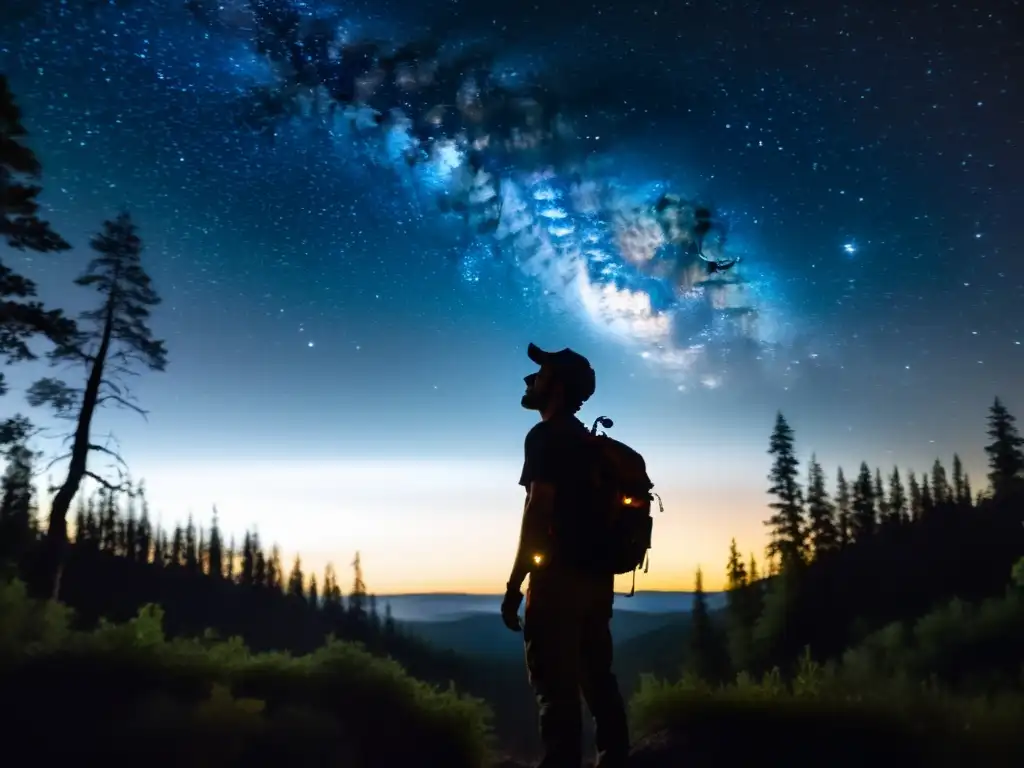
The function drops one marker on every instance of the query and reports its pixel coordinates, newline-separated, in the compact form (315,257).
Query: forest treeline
(118,561)
(888,624)
(876,552)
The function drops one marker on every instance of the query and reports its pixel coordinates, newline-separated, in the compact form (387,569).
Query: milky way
(512,162)
(528,179)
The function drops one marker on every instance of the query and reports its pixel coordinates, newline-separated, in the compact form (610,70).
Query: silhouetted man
(569,601)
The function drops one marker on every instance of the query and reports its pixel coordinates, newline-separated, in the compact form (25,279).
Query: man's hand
(510,609)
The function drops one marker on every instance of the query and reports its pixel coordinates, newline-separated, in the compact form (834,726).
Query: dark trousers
(569,651)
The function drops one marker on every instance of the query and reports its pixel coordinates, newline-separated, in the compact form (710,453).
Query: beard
(534,400)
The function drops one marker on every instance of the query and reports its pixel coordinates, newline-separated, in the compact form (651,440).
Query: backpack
(624,495)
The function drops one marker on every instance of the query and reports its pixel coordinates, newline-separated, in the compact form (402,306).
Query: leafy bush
(823,717)
(974,648)
(125,690)
(1017,577)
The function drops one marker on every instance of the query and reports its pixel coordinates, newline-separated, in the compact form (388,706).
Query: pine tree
(202,554)
(958,481)
(844,509)
(968,498)
(1006,451)
(897,508)
(191,555)
(736,573)
(21,228)
(786,524)
(313,595)
(927,502)
(755,591)
(275,571)
(92,524)
(81,532)
(247,575)
(389,621)
(128,545)
(863,522)
(145,529)
(702,657)
(296,582)
(17,503)
(120,336)
(334,608)
(357,600)
(229,561)
(159,548)
(216,550)
(754,574)
(878,494)
(109,522)
(941,493)
(259,574)
(738,607)
(821,513)
(916,499)
(177,547)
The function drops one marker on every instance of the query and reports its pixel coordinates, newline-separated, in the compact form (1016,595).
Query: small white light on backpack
(538,559)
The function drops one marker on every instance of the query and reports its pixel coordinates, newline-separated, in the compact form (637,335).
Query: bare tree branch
(123,370)
(62,457)
(120,488)
(109,452)
(117,390)
(122,403)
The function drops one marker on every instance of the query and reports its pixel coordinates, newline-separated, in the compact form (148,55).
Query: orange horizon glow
(430,527)
(443,526)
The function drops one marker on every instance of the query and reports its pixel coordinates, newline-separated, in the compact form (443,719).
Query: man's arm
(537,516)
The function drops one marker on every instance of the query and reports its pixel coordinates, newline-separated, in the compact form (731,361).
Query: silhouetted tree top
(864,519)
(786,524)
(115,336)
(897,499)
(1006,451)
(844,509)
(821,513)
(22,229)
(20,225)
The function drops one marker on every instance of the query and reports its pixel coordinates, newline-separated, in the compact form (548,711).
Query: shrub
(974,648)
(822,717)
(125,690)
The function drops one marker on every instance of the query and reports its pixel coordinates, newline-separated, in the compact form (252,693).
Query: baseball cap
(578,373)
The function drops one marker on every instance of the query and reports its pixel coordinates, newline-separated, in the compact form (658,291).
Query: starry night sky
(346,362)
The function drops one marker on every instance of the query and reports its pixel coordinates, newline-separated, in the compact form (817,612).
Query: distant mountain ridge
(482,635)
(453,606)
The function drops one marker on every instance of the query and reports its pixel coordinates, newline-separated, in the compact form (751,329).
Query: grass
(127,691)
(824,718)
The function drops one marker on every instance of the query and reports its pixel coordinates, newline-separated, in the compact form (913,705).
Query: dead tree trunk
(56,541)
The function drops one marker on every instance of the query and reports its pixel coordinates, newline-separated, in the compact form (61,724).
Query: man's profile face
(540,388)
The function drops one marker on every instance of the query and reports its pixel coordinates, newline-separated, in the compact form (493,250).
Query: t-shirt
(556,452)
